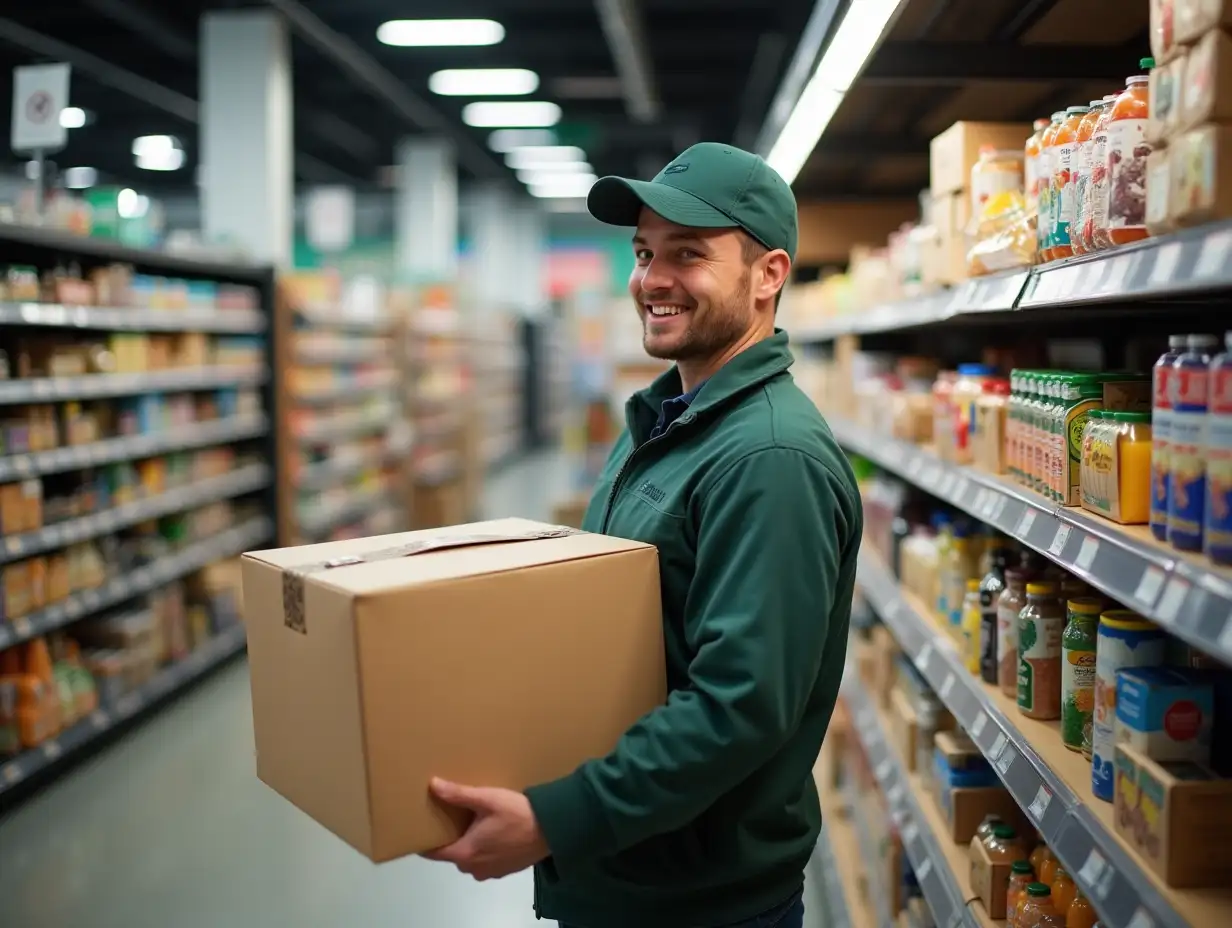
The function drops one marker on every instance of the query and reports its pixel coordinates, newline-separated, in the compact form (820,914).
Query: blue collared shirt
(673,409)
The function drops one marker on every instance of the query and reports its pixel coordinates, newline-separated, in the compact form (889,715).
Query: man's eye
(642,254)
(689,254)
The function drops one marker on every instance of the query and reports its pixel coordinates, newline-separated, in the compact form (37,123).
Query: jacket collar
(750,368)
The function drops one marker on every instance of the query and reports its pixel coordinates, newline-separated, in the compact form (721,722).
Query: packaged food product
(966,393)
(1011,602)
(992,586)
(1165,98)
(1192,18)
(1187,451)
(1078,394)
(1166,713)
(1125,640)
(961,565)
(1082,175)
(1200,168)
(994,173)
(1097,213)
(1162,375)
(1040,625)
(1044,220)
(1117,462)
(970,626)
(944,527)
(1163,29)
(1048,869)
(944,414)
(1126,159)
(991,863)
(984,831)
(952,153)
(1021,876)
(1081,913)
(1206,95)
(1159,192)
(1065,144)
(1218,535)
(1003,236)
(1012,404)
(1037,909)
(1078,672)
(1031,165)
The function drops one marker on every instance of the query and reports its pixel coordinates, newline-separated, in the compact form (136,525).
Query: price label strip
(1086,554)
(1039,805)
(1149,586)
(1025,523)
(1059,540)
(1170,603)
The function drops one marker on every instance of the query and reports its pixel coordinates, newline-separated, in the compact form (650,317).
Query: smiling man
(705,813)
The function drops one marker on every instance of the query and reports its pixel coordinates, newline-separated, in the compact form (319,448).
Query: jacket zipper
(538,913)
(620,474)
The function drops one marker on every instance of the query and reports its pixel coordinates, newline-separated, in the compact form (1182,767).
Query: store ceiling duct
(622,27)
(848,50)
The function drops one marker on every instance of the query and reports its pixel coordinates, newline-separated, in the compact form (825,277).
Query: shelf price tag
(990,505)
(1214,254)
(926,653)
(52,750)
(22,628)
(10,773)
(1141,919)
(925,869)
(883,769)
(911,831)
(1025,523)
(1039,805)
(947,687)
(99,720)
(1166,260)
(1059,540)
(1086,554)
(998,746)
(978,726)
(1006,760)
(1170,603)
(999,509)
(1225,636)
(1091,872)
(1149,586)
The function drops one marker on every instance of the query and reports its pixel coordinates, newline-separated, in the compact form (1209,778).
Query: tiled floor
(170,828)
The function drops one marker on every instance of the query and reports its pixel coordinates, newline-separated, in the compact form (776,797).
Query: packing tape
(294,614)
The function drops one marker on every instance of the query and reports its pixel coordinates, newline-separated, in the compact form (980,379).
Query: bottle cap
(1039,890)
(1041,589)
(973,585)
(1178,341)
(1132,416)
(1004,831)
(1075,110)
(1194,342)
(1146,63)
(1021,866)
(1085,605)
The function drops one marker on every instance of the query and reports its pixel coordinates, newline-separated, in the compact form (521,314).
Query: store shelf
(245,480)
(330,317)
(1189,597)
(340,427)
(865,848)
(1049,781)
(224,645)
(342,393)
(97,386)
(132,447)
(344,352)
(122,319)
(345,465)
(837,864)
(144,579)
(946,896)
(354,508)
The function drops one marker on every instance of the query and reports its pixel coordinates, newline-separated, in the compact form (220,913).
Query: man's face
(691,287)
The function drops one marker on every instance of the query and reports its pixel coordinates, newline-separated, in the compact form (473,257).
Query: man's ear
(776,266)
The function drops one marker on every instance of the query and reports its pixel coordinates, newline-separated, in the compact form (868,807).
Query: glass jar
(991,821)
(1011,602)
(1098,217)
(1022,875)
(1040,625)
(967,390)
(1037,910)
(991,410)
(1082,175)
(1044,219)
(1081,913)
(943,414)
(1078,672)
(1133,468)
(1031,164)
(993,173)
(1063,890)
(1004,846)
(1065,143)
(961,565)
(1126,157)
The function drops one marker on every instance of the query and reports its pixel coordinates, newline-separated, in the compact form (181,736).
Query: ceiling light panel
(522,114)
(422,33)
(504,140)
(484,82)
(566,185)
(527,155)
(72,117)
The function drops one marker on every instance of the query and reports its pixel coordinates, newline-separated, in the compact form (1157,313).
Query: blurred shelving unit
(135,441)
(497,363)
(345,441)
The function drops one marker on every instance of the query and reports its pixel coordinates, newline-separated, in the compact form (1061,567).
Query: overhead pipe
(622,27)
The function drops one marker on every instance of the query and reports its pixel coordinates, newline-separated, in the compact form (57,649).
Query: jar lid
(1085,605)
(1004,831)
(1097,414)
(1039,890)
(1058,116)
(999,386)
(1125,620)
(1132,416)
(973,585)
(1076,110)
(1041,589)
(1021,866)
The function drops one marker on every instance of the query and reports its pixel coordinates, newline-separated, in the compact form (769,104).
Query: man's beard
(709,332)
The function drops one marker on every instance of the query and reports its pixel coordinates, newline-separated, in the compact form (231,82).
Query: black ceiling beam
(1022,19)
(947,63)
(869,145)
(158,32)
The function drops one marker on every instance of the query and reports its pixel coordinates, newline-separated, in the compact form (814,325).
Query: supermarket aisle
(171,827)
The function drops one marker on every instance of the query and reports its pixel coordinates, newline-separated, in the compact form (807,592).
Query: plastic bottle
(1065,143)
(1022,875)
(1040,625)
(1082,176)
(1047,870)
(1078,672)
(1161,420)
(943,525)
(992,586)
(1031,164)
(970,626)
(1187,448)
(1038,911)
(1081,913)
(1099,179)
(1127,152)
(1044,221)
(991,821)
(1009,605)
(959,567)
(1218,540)
(1063,890)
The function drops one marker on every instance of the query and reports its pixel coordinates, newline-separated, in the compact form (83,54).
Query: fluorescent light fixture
(72,117)
(154,144)
(521,158)
(407,33)
(566,205)
(131,205)
(158,153)
(847,53)
(504,140)
(80,178)
(533,174)
(483,82)
(522,114)
(562,185)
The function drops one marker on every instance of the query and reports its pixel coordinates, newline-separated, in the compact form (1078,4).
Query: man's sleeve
(770,537)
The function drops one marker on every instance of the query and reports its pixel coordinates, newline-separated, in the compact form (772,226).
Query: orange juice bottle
(1082,176)
(1021,876)
(1031,164)
(1044,221)
(1081,913)
(1065,143)
(1063,890)
(1037,911)
(1047,869)
(1126,162)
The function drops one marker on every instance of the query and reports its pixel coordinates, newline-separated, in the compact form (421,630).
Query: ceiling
(715,67)
(950,60)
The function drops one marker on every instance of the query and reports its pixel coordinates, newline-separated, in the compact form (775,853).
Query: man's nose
(657,277)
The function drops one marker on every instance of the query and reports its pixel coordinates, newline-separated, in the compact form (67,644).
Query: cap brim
(618,201)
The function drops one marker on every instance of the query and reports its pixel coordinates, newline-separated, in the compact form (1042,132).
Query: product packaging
(1163,30)
(1206,92)
(1159,181)
(1166,95)
(499,653)
(1193,18)
(1165,713)
(904,728)
(955,151)
(1201,172)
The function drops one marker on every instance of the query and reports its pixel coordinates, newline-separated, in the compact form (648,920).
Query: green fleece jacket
(705,812)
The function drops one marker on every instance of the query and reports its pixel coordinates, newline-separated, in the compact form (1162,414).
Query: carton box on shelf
(1177,815)
(1166,713)
(499,653)
(1159,181)
(970,805)
(1166,93)
(1192,18)
(1163,28)
(953,153)
(951,215)
(1206,92)
(904,727)
(1201,171)
(989,879)
(885,664)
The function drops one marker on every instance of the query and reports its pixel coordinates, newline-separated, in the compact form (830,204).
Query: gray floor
(169,828)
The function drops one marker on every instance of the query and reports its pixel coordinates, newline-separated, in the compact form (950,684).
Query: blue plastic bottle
(1161,434)
(1187,449)
(1219,458)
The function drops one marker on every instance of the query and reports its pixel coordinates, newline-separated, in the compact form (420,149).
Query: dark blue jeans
(788,915)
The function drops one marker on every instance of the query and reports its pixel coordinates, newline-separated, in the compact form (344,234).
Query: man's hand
(503,838)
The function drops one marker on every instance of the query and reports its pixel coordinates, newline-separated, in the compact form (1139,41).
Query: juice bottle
(1081,913)
(992,586)
(1047,870)
(1098,213)
(1031,164)
(1044,221)
(1004,845)
(1078,671)
(1161,436)
(943,525)
(1037,911)
(991,821)
(1126,159)
(1082,175)
(959,567)
(1219,458)
(1063,890)
(1187,449)
(1065,143)
(971,626)
(1041,851)
(1009,605)
(1022,875)
(1040,625)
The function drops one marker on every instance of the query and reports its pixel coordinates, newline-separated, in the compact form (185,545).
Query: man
(705,813)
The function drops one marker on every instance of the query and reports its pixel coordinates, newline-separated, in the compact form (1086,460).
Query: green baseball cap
(708,186)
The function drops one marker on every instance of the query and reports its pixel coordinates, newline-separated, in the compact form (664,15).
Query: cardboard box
(989,879)
(1166,713)
(904,727)
(1163,26)
(885,664)
(571,511)
(1193,18)
(1166,95)
(970,805)
(952,213)
(953,153)
(1177,815)
(1201,172)
(501,653)
(1206,92)
(1159,181)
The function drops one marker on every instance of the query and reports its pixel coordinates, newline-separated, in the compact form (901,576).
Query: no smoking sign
(40,92)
